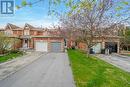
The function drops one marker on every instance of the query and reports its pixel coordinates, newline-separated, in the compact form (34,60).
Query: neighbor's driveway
(118,61)
(50,70)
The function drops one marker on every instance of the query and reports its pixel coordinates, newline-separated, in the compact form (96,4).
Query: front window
(39,33)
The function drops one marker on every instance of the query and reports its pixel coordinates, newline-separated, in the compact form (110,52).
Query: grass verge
(9,56)
(93,72)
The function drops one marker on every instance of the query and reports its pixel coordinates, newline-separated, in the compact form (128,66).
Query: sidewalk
(14,65)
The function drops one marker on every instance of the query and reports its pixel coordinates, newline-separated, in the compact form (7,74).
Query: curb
(121,55)
(10,61)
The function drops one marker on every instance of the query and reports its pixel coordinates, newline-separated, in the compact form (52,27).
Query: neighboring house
(104,42)
(39,39)
(1,30)
(109,38)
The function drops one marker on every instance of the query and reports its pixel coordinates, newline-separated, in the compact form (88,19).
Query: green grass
(93,72)
(9,56)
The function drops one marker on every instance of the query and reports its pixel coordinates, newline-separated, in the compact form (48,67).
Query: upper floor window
(15,32)
(39,33)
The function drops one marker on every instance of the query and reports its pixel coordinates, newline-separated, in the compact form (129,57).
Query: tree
(121,6)
(125,42)
(90,17)
(5,43)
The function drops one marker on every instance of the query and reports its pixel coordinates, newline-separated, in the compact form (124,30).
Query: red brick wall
(17,44)
(17,32)
(36,33)
(82,46)
(49,40)
(33,32)
(31,43)
(70,43)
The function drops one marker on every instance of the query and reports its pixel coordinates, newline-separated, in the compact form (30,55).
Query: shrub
(73,47)
(16,51)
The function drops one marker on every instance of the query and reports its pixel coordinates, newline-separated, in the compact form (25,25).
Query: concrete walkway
(116,60)
(50,70)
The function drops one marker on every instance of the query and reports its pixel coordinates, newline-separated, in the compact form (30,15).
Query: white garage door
(97,48)
(41,46)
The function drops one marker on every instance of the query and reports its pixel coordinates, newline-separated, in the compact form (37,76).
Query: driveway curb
(10,61)
(121,56)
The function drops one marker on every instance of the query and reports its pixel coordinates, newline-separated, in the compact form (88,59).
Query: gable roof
(28,26)
(11,26)
(1,29)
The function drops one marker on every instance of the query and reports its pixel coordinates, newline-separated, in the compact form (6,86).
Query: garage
(97,48)
(56,47)
(41,46)
(112,46)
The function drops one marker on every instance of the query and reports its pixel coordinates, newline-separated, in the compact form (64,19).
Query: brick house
(39,39)
(110,38)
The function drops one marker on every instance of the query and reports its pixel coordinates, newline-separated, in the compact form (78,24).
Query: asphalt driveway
(50,70)
(118,61)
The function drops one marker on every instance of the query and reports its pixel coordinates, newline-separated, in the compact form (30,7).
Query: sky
(37,15)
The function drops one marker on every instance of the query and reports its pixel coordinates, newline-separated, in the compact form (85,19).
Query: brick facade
(103,41)
(28,35)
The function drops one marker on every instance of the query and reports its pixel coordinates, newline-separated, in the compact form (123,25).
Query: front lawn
(9,56)
(93,72)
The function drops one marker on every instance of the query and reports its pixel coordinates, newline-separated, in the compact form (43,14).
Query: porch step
(27,49)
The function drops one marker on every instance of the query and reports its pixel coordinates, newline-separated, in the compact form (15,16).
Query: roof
(28,26)
(12,27)
(1,29)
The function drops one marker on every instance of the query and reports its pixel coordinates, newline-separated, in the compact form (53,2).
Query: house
(109,38)
(104,42)
(39,39)
(1,30)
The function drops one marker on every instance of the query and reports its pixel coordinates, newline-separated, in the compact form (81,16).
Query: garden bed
(10,55)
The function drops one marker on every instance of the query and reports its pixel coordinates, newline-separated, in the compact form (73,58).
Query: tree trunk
(127,48)
(88,52)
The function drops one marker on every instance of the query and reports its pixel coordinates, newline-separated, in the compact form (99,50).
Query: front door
(25,43)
